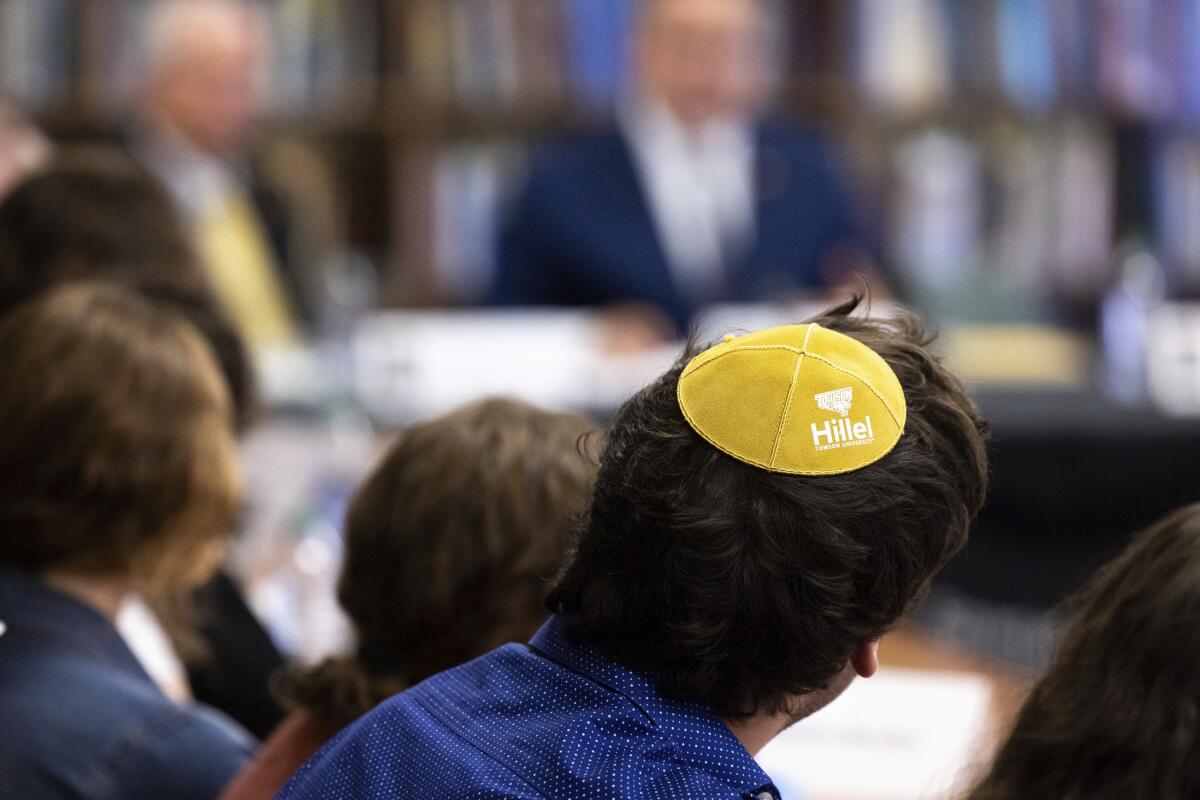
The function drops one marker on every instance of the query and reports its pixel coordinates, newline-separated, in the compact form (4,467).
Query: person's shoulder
(511,724)
(64,697)
(564,733)
(181,752)
(123,736)
(156,747)
(449,735)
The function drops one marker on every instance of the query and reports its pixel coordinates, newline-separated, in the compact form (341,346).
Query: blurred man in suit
(690,199)
(205,61)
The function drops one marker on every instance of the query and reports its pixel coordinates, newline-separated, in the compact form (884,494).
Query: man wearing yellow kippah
(764,512)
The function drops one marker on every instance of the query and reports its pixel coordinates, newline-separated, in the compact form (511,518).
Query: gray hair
(169,21)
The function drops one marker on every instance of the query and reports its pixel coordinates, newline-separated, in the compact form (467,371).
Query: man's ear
(866,659)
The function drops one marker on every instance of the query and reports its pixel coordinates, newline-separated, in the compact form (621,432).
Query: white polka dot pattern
(554,720)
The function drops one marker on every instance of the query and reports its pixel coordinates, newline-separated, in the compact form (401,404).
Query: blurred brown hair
(117,456)
(1118,713)
(94,213)
(90,213)
(450,547)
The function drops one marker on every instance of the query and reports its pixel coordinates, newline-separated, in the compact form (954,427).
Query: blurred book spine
(901,51)
(453,197)
(326,55)
(493,55)
(469,187)
(1132,57)
(82,56)
(38,49)
(1175,193)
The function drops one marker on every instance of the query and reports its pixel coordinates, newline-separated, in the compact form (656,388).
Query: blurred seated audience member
(450,548)
(733,575)
(22,147)
(119,476)
(96,214)
(205,65)
(691,198)
(1117,715)
(92,213)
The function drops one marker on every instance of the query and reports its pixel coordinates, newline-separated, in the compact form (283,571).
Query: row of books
(1044,211)
(1136,57)
(1030,211)
(489,53)
(1139,57)
(39,61)
(1037,212)
(323,55)
(1174,192)
(329,54)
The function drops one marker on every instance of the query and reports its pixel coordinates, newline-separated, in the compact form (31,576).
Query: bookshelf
(1008,148)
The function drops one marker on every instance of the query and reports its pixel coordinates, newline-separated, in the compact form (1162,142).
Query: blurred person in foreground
(763,513)
(205,68)
(691,199)
(450,546)
(1117,715)
(92,213)
(119,476)
(96,214)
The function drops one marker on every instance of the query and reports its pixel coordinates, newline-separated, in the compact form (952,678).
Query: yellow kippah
(799,399)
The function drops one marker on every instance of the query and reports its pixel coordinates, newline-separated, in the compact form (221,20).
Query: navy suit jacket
(581,233)
(81,720)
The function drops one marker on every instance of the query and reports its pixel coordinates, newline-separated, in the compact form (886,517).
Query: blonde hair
(118,455)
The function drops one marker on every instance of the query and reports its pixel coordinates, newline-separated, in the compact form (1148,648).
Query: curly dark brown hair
(450,547)
(744,589)
(1117,715)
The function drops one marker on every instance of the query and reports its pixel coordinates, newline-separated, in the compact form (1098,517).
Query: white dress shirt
(199,182)
(699,186)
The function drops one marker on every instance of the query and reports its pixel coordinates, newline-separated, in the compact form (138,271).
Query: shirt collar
(197,180)
(697,733)
(651,124)
(35,613)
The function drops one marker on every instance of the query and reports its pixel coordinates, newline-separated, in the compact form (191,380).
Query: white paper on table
(413,365)
(901,735)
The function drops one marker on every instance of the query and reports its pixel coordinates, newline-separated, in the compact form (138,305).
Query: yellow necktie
(234,248)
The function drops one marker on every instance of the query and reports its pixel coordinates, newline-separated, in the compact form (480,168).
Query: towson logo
(841,432)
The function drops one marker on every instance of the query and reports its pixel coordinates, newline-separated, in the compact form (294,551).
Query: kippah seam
(744,459)
(699,429)
(694,367)
(866,383)
(787,401)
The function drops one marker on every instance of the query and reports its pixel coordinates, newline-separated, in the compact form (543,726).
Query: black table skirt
(1073,477)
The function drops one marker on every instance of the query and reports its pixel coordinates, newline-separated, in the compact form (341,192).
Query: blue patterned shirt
(552,720)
